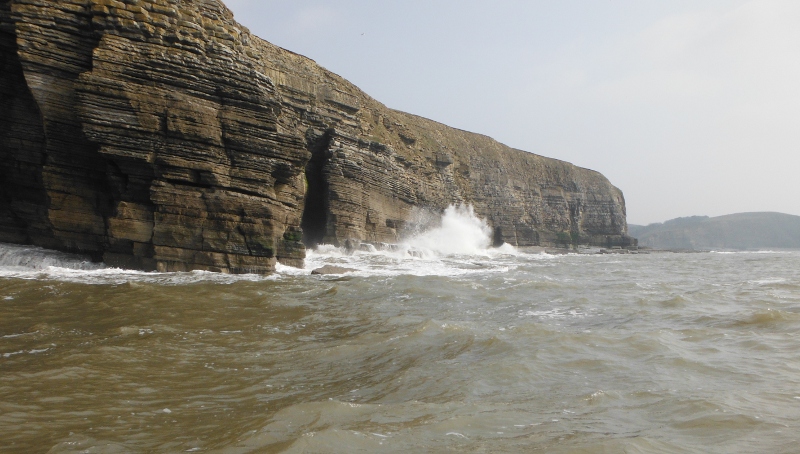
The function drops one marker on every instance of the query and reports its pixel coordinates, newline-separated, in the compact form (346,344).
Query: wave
(36,263)
(766,251)
(458,243)
(767,317)
(455,244)
(460,232)
(19,257)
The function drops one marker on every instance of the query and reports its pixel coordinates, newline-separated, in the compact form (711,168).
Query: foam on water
(751,252)
(25,258)
(31,262)
(458,244)
(460,232)
(566,353)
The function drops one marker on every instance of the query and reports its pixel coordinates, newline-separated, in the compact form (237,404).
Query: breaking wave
(457,242)
(460,232)
(35,263)
(23,258)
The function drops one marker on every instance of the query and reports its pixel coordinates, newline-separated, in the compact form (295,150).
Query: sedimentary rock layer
(160,134)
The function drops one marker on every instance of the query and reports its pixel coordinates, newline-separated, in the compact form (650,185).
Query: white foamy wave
(461,233)
(556,313)
(393,263)
(751,252)
(286,270)
(30,262)
(117,276)
(768,281)
(458,244)
(23,258)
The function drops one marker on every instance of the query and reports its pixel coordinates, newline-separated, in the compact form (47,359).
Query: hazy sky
(689,107)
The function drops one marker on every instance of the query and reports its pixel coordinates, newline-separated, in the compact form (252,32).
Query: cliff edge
(161,134)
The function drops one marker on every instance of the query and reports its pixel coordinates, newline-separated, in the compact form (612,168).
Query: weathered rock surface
(331,269)
(160,134)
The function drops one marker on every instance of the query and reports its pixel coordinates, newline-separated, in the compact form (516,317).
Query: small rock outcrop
(331,269)
(161,134)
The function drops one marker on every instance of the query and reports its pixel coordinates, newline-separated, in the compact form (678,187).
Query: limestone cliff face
(160,134)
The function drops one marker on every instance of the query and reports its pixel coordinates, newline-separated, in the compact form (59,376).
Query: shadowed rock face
(160,134)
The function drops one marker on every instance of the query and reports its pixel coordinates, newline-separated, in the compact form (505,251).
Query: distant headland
(742,231)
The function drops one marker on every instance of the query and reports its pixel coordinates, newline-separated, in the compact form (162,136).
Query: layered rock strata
(160,134)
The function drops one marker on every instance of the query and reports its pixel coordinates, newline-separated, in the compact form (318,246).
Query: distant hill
(740,231)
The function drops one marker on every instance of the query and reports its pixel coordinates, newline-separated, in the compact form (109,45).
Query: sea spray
(455,242)
(20,257)
(460,232)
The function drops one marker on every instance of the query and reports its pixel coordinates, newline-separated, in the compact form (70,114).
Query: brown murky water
(503,352)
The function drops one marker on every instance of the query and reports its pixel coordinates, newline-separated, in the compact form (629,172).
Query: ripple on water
(504,353)
(766,318)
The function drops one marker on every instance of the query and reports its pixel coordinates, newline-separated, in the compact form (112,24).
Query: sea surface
(439,345)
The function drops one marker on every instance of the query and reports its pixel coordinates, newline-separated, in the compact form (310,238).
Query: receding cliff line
(160,134)
(741,231)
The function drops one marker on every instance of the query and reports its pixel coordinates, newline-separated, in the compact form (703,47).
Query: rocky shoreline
(162,135)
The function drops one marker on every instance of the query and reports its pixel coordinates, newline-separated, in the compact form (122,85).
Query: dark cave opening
(497,237)
(315,213)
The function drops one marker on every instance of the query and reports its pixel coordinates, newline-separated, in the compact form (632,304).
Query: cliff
(160,134)
(740,231)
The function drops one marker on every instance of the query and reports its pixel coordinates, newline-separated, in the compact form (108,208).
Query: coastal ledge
(162,135)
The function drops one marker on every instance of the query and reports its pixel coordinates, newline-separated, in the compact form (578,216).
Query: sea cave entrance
(315,213)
